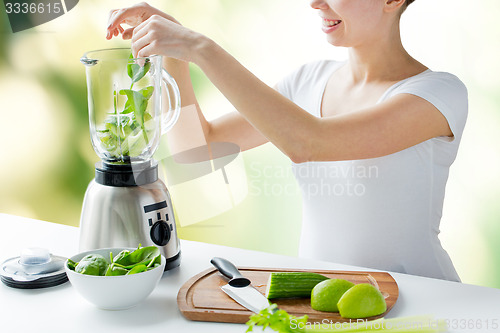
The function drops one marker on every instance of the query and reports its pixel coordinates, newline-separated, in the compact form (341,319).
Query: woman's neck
(383,60)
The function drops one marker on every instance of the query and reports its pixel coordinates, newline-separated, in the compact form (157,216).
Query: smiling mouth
(331,23)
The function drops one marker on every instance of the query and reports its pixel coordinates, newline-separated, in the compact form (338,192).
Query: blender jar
(125,104)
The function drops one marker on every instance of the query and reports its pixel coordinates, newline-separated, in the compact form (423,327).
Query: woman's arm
(231,127)
(398,123)
(401,122)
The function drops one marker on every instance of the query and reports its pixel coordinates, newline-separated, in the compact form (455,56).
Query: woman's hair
(406,4)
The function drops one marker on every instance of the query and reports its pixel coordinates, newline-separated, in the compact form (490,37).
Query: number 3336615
(33,8)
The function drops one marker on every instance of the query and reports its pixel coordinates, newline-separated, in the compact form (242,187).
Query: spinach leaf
(148,256)
(137,102)
(116,142)
(154,263)
(72,264)
(145,254)
(115,270)
(137,269)
(122,258)
(136,71)
(92,264)
(140,260)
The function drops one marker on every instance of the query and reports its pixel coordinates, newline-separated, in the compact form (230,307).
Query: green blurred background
(47,159)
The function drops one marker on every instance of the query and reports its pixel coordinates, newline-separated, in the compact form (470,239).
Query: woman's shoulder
(436,81)
(443,90)
(442,87)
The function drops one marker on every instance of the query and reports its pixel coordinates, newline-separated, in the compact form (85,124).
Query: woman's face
(351,23)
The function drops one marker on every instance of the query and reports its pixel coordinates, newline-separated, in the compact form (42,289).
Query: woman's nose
(318,4)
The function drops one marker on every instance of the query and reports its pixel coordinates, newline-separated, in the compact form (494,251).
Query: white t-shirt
(384,212)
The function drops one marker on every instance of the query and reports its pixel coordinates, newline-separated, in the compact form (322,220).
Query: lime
(92,264)
(361,301)
(326,294)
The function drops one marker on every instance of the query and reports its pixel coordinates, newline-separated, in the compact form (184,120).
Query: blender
(131,102)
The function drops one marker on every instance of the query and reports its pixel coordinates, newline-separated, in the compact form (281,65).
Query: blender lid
(35,268)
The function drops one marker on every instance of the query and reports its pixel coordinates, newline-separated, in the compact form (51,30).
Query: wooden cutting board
(201,298)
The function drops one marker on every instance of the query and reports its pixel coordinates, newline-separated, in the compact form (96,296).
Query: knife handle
(230,271)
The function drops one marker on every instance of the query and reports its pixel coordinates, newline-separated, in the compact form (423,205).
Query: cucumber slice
(292,284)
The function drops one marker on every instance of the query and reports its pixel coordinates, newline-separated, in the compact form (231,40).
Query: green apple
(361,301)
(326,294)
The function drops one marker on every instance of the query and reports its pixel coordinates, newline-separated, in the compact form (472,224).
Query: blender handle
(168,122)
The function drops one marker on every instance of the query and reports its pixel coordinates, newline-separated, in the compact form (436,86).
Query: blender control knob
(160,233)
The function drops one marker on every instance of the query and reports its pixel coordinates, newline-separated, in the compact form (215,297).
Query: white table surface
(60,309)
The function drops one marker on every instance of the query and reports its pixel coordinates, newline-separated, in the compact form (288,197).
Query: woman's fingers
(139,44)
(111,15)
(132,16)
(110,33)
(147,50)
(142,29)
(128,33)
(112,20)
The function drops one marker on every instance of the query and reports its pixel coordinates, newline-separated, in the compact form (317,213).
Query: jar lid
(35,268)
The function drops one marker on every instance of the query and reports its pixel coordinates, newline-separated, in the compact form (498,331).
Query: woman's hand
(160,35)
(153,32)
(132,16)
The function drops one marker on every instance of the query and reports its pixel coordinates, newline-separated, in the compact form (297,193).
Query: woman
(371,138)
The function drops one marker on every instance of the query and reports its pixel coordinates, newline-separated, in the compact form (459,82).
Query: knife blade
(239,288)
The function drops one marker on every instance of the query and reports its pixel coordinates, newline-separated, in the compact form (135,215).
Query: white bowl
(114,292)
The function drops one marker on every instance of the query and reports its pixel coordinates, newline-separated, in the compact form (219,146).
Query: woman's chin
(335,42)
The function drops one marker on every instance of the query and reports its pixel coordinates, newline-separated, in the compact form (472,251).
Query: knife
(239,287)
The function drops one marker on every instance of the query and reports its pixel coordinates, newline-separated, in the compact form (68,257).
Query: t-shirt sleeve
(284,86)
(447,93)
(289,85)
(304,79)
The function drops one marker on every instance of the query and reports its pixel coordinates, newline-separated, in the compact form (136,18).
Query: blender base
(129,216)
(173,262)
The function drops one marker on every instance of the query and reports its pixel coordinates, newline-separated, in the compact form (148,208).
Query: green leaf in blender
(136,143)
(119,125)
(108,140)
(127,132)
(136,71)
(137,101)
